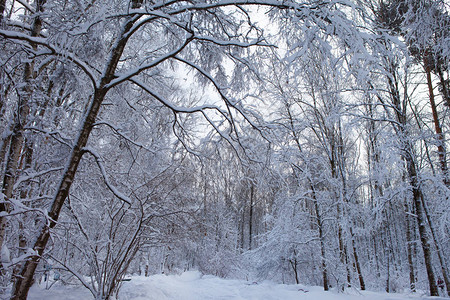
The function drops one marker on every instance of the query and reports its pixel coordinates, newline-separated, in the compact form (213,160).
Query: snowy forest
(301,141)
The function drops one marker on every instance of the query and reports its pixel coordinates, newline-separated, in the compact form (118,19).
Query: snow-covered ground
(194,286)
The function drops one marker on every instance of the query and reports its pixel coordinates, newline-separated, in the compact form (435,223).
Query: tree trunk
(358,266)
(25,279)
(388,272)
(2,10)
(444,87)
(3,149)
(421,220)
(24,193)
(442,158)
(409,248)
(376,188)
(322,242)
(437,126)
(250,216)
(294,268)
(343,254)
(242,229)
(316,209)
(441,255)
(17,138)
(408,157)
(10,173)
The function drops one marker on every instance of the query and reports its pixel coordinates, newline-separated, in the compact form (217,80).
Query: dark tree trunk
(2,10)
(25,279)
(437,126)
(388,272)
(24,193)
(357,264)
(440,254)
(3,149)
(409,248)
(12,163)
(250,216)
(442,159)
(421,220)
(322,243)
(242,229)
(17,138)
(344,255)
(444,86)
(408,157)
(294,263)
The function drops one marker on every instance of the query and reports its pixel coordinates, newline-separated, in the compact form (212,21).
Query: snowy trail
(194,286)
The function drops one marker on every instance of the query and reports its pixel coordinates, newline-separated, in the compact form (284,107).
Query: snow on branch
(34,175)
(257,42)
(136,71)
(201,109)
(228,102)
(79,276)
(118,131)
(21,26)
(21,258)
(20,208)
(54,50)
(211,5)
(111,187)
(173,107)
(58,136)
(27,6)
(223,135)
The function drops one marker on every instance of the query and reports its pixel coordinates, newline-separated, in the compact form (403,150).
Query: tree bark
(25,278)
(409,248)
(2,10)
(440,254)
(17,137)
(3,149)
(322,242)
(444,87)
(343,249)
(294,263)
(421,220)
(437,125)
(12,162)
(408,157)
(388,272)
(357,264)
(319,221)
(250,216)
(442,159)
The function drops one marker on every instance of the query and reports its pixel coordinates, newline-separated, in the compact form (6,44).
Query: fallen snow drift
(194,286)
